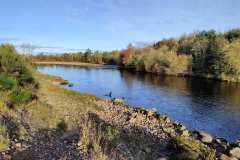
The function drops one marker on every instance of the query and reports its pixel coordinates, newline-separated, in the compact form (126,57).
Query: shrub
(20,95)
(15,75)
(6,82)
(14,65)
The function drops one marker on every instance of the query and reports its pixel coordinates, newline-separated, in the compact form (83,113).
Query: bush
(15,75)
(6,82)
(14,65)
(19,95)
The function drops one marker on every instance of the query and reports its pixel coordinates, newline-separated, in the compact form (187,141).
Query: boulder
(222,142)
(205,137)
(152,112)
(225,157)
(70,85)
(118,101)
(185,133)
(235,152)
(237,143)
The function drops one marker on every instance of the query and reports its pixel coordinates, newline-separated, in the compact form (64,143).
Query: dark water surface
(200,104)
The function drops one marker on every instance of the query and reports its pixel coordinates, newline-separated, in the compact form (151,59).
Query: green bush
(15,75)
(19,95)
(14,65)
(6,82)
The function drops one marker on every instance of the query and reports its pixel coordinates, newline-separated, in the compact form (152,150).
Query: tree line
(206,54)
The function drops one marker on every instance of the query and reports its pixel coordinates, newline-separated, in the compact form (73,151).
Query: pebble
(205,137)
(235,152)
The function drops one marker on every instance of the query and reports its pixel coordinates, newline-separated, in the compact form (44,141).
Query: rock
(237,143)
(118,101)
(185,133)
(148,150)
(7,157)
(64,82)
(18,145)
(167,120)
(225,157)
(181,127)
(162,158)
(222,142)
(70,85)
(152,112)
(235,152)
(205,137)
(9,105)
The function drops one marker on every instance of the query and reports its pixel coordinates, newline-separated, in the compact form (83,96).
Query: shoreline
(174,129)
(83,64)
(74,122)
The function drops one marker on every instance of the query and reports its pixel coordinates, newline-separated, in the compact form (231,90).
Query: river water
(200,104)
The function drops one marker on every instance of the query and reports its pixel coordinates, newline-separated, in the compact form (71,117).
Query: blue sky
(71,25)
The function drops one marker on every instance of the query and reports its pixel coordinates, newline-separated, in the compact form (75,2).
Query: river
(200,104)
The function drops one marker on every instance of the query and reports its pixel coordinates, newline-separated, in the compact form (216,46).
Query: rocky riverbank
(159,137)
(62,124)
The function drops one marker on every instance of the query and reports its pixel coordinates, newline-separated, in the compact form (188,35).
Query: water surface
(200,104)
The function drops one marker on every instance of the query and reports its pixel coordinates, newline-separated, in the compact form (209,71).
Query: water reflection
(200,104)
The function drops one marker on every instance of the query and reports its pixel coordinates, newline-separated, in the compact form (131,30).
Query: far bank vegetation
(206,54)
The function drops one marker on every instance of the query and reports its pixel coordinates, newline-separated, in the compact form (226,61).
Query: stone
(235,152)
(205,137)
(237,143)
(152,112)
(148,150)
(167,120)
(64,82)
(222,142)
(182,127)
(18,145)
(162,158)
(225,157)
(9,105)
(70,85)
(185,133)
(118,101)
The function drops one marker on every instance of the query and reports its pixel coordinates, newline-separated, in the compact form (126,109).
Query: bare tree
(27,48)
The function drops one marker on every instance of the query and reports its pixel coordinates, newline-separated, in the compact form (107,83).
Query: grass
(20,95)
(4,140)
(98,138)
(189,149)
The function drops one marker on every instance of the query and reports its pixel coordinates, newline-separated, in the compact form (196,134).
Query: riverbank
(72,125)
(80,64)
(200,76)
